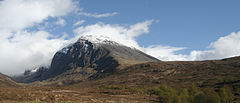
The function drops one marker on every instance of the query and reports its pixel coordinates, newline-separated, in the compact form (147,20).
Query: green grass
(192,94)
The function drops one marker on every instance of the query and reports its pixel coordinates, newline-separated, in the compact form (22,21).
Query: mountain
(5,81)
(87,59)
(100,69)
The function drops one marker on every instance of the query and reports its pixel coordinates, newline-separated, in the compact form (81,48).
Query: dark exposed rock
(101,58)
(29,76)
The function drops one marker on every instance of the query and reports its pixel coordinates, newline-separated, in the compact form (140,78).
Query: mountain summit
(88,58)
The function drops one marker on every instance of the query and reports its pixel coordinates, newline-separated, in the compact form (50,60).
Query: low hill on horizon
(5,81)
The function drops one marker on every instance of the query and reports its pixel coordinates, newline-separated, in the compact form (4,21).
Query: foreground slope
(215,81)
(179,73)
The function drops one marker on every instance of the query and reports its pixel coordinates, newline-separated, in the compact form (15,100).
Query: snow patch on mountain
(64,50)
(34,70)
(99,39)
(95,41)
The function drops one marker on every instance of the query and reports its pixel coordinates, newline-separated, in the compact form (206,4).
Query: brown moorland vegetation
(216,81)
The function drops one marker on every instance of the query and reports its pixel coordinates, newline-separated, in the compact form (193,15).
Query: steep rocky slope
(87,59)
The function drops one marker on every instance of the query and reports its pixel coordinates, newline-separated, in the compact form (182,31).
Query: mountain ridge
(89,58)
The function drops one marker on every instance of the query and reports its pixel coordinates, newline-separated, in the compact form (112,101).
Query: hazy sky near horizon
(31,31)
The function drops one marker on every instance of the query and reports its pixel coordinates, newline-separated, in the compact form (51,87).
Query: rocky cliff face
(87,59)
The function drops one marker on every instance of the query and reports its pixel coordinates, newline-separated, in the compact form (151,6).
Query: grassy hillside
(6,82)
(220,78)
(165,82)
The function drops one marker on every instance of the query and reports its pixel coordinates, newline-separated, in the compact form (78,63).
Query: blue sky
(185,23)
(170,30)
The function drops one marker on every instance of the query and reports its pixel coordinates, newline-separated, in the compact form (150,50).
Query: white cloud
(126,35)
(224,47)
(165,53)
(26,50)
(96,15)
(80,22)
(139,28)
(122,34)
(19,14)
(21,49)
(61,22)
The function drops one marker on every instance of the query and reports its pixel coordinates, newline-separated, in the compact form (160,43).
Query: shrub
(192,95)
(226,95)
